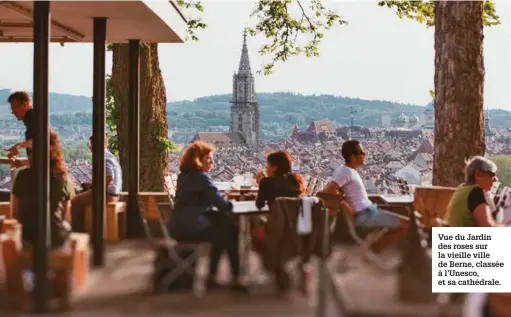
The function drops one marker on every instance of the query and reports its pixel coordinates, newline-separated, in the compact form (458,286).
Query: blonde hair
(193,155)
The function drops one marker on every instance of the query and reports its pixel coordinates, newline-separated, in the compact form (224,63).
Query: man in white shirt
(357,203)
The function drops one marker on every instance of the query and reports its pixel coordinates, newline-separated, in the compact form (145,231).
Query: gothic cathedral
(244,108)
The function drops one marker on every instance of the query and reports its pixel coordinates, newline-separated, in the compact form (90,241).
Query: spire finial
(244,67)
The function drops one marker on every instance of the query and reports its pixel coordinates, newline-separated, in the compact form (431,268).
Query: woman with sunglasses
(469,205)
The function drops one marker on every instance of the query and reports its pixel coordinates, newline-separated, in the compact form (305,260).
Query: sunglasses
(489,173)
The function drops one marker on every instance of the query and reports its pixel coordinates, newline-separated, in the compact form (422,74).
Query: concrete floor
(121,288)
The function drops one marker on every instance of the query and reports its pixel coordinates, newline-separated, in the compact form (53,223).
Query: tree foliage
(282,22)
(194,23)
(112,115)
(295,27)
(503,168)
(424,11)
(292,27)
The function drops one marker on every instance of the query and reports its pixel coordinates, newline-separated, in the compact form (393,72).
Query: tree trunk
(153,118)
(459,82)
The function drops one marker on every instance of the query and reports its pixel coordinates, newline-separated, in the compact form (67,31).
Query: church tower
(244,108)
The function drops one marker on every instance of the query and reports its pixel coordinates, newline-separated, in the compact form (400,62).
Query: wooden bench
(115,224)
(69,265)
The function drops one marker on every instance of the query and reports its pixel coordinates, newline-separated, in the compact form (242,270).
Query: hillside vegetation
(279,111)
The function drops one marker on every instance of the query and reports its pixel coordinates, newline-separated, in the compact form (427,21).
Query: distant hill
(279,111)
(59,103)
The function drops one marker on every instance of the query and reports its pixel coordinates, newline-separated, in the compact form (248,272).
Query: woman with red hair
(193,217)
(61,193)
(279,181)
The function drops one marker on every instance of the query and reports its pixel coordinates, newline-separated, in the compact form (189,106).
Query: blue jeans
(374,217)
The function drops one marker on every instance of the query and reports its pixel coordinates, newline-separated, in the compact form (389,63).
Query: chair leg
(366,246)
(185,266)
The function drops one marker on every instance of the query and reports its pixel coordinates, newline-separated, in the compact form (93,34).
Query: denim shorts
(374,217)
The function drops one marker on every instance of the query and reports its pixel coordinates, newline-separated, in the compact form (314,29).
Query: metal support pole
(98,143)
(40,144)
(134,222)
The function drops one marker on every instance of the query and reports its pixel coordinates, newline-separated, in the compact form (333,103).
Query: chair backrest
(431,203)
(306,243)
(331,201)
(150,212)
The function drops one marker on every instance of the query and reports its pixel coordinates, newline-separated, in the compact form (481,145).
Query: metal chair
(176,264)
(333,203)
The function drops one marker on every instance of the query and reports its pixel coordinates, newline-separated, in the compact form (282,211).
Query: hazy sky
(376,56)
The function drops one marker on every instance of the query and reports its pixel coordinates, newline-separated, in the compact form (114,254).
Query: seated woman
(61,193)
(468,206)
(280,181)
(193,217)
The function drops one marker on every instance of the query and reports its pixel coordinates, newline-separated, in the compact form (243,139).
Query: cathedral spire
(244,68)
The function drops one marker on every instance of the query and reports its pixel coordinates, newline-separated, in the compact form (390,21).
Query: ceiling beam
(67,31)
(29,39)
(18,24)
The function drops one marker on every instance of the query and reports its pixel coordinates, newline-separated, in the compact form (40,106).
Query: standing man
(21,108)
(357,203)
(113,185)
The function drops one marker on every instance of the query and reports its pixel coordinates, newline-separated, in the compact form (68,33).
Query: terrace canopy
(97,22)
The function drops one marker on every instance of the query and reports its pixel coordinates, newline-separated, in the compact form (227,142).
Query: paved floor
(121,289)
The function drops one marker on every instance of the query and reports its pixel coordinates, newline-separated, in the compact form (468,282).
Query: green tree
(112,115)
(154,143)
(424,11)
(504,168)
(458,56)
(278,22)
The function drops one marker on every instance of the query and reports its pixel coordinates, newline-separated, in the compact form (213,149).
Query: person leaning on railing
(468,206)
(193,218)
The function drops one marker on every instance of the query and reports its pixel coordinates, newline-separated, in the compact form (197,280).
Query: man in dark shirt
(21,108)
